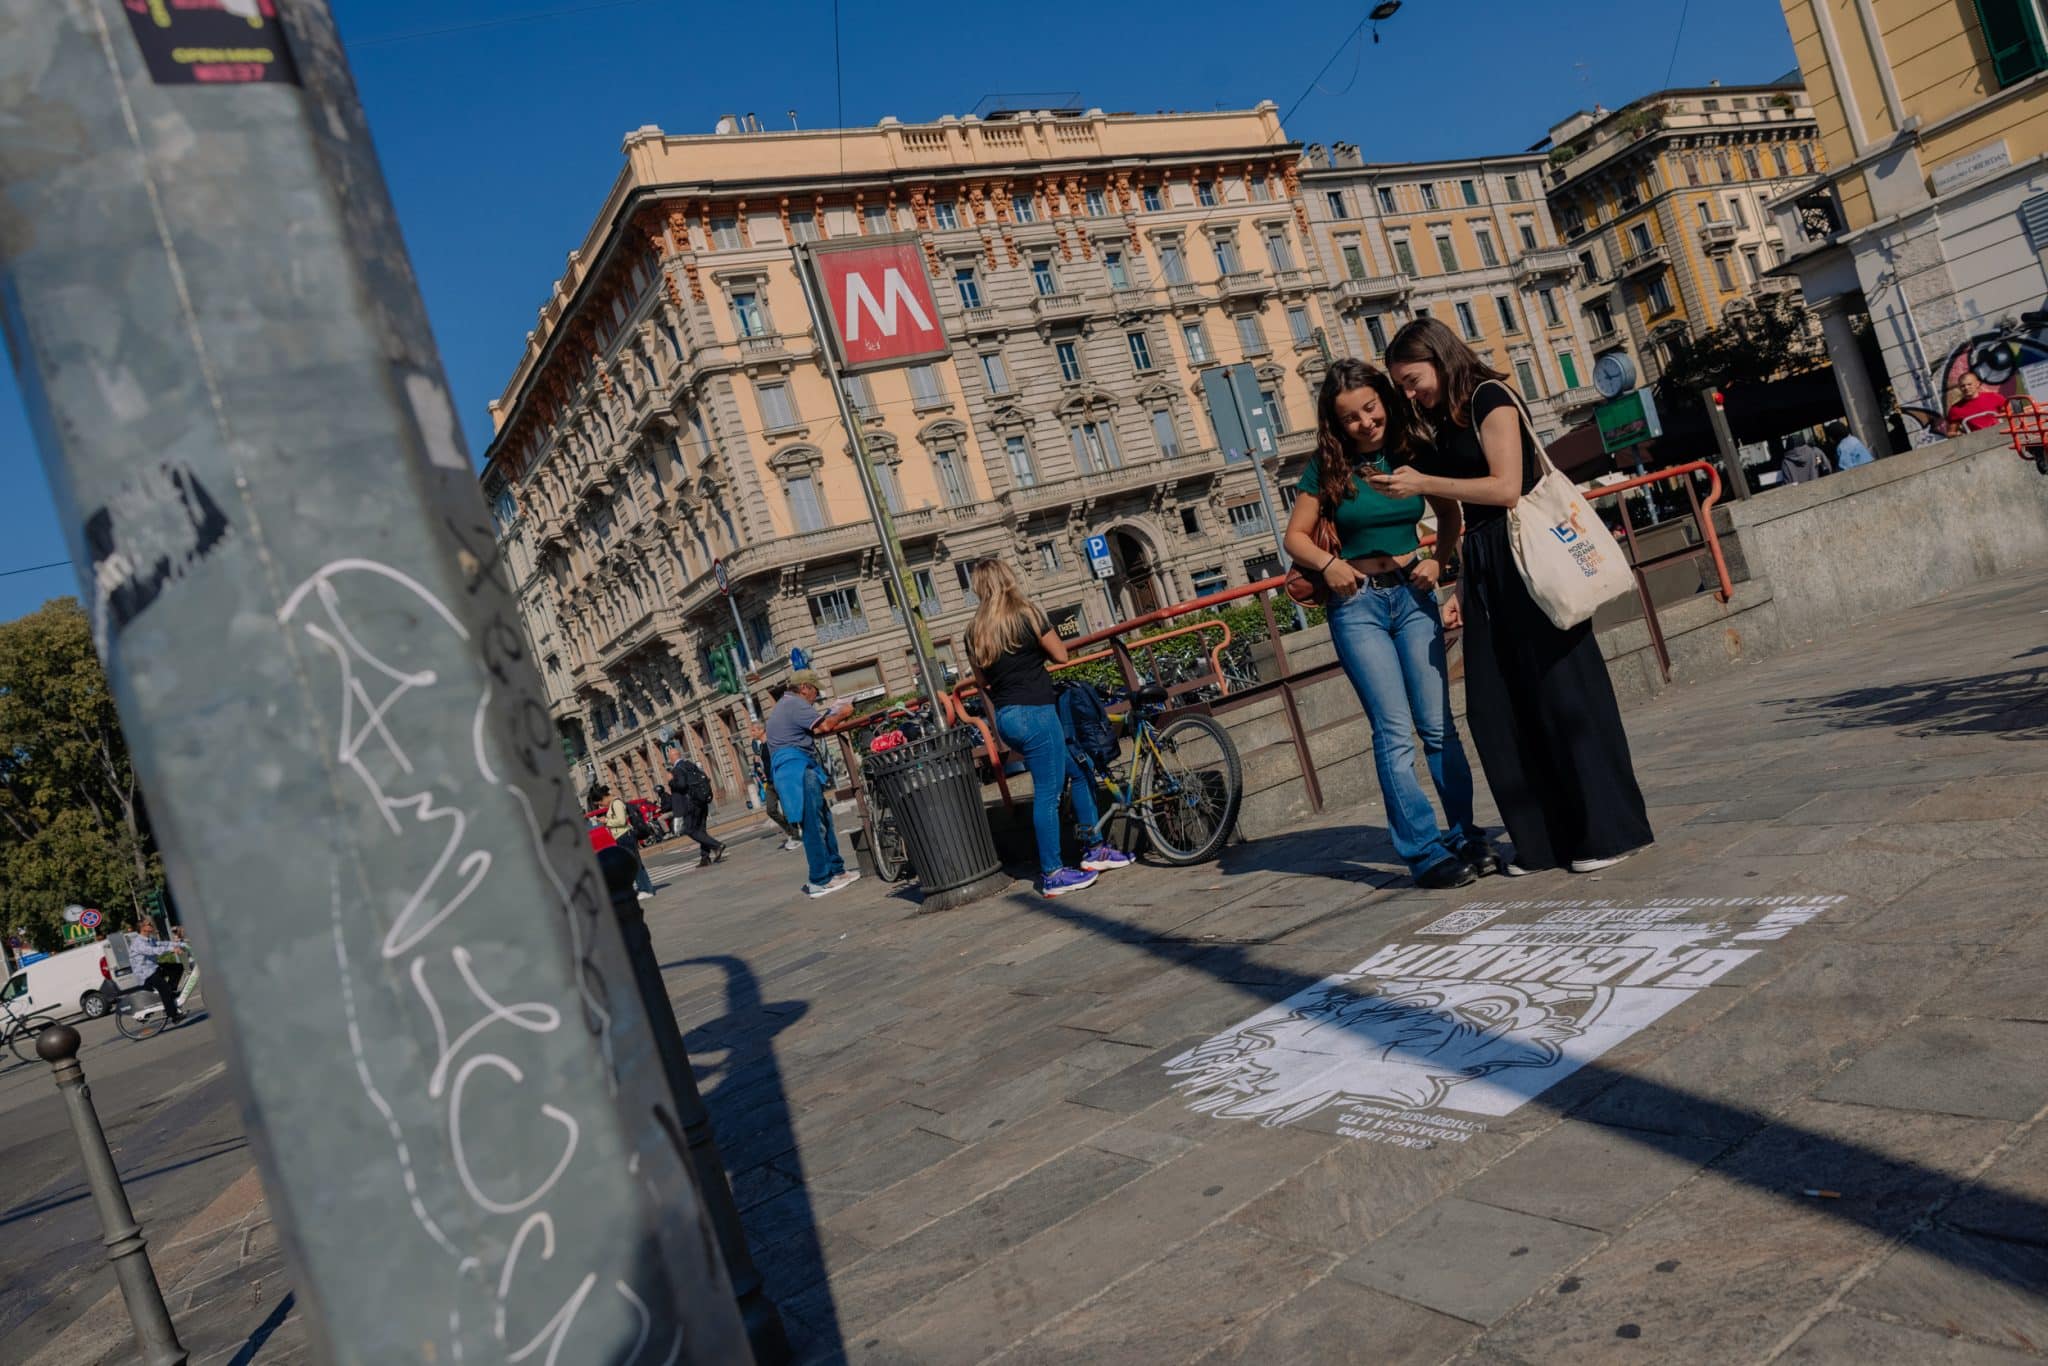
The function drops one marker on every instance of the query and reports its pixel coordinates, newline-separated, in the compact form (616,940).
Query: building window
(1197,345)
(1354,260)
(1041,277)
(1469,189)
(1603,320)
(1094,447)
(1070,360)
(804,509)
(1141,354)
(1778,160)
(1021,466)
(1738,213)
(1639,238)
(1270,399)
(1404,258)
(1298,326)
(1098,205)
(858,396)
(1172,264)
(1447,253)
(1049,556)
(993,371)
(1262,189)
(1751,164)
(1508,322)
(1429,196)
(925,386)
(1514,183)
(1376,332)
(969,287)
(776,412)
(953,480)
(1205,193)
(1113,263)
(963,570)
(891,486)
(1525,375)
(725,234)
(1749,259)
(1722,164)
(1722,274)
(1658,296)
(1335,199)
(1386,199)
(1150,196)
(1022,209)
(1165,432)
(946,214)
(1468,322)
(878,218)
(747,316)
(1568,365)
(1806,158)
(1487,255)
(1551,316)
(1248,519)
(1227,259)
(1528,231)
(1279,252)
(2012,33)
(1207,581)
(837,615)
(1250,335)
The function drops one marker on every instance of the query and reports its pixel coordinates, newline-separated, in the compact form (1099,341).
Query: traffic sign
(798,659)
(879,298)
(718,572)
(1099,557)
(90,919)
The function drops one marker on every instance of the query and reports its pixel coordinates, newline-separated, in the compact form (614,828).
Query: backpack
(1087,724)
(689,780)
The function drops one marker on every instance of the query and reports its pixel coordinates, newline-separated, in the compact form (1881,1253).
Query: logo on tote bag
(1569,529)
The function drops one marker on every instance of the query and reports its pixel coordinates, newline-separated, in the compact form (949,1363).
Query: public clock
(1614,374)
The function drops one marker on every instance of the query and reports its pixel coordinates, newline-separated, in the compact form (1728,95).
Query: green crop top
(1369,522)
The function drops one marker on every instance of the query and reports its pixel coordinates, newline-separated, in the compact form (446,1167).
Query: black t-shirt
(1458,454)
(1017,678)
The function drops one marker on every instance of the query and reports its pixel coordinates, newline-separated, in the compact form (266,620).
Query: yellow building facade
(1933,216)
(671,408)
(1664,203)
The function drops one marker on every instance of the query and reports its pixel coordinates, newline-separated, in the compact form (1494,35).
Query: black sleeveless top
(1457,453)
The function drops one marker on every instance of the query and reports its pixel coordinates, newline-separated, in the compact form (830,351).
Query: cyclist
(1011,642)
(159,966)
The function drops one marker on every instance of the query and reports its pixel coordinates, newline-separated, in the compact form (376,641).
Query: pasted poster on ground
(1425,1040)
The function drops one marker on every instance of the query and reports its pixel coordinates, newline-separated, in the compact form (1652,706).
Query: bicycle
(884,838)
(21,1030)
(1183,782)
(149,1019)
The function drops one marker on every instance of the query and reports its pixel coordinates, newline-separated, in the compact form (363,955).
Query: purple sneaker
(1064,881)
(1105,859)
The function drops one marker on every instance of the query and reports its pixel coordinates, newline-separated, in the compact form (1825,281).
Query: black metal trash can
(930,785)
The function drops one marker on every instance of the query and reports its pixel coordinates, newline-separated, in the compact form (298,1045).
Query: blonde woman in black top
(1538,700)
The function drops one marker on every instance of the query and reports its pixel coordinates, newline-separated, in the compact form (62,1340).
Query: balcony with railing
(980,318)
(1058,307)
(1546,263)
(929,521)
(1245,284)
(1577,397)
(765,346)
(1374,289)
(1184,292)
(1652,257)
(1295,281)
(1718,234)
(831,632)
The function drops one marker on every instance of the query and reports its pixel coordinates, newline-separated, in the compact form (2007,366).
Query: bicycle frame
(1123,793)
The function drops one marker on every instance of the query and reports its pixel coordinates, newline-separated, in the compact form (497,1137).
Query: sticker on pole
(211,42)
(1099,558)
(880,302)
(718,572)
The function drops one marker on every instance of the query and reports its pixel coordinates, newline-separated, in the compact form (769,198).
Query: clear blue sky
(500,139)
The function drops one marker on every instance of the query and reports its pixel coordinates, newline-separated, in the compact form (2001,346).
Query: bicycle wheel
(887,848)
(23,1037)
(133,1026)
(1189,788)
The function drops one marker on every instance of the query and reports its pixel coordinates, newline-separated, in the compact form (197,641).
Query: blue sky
(500,138)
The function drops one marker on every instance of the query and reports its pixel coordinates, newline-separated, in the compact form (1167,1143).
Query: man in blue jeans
(800,784)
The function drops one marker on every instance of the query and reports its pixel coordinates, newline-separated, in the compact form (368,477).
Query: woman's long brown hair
(1004,619)
(1459,371)
(1333,448)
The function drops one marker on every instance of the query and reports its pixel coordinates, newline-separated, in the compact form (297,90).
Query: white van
(62,984)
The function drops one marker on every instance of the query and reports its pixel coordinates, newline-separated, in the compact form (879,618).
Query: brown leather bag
(1309,589)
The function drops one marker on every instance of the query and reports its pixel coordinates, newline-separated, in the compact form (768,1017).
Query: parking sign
(1099,559)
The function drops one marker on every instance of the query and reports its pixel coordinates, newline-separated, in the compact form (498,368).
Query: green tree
(72,824)
(1775,338)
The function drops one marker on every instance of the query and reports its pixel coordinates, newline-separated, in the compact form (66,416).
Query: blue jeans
(1391,644)
(1037,734)
(800,787)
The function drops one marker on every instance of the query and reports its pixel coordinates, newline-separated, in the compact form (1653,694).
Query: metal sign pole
(878,506)
(469,1145)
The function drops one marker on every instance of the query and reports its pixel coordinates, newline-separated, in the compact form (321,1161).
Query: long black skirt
(1543,717)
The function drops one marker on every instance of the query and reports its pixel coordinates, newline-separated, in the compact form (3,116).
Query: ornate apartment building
(1665,203)
(1470,242)
(671,408)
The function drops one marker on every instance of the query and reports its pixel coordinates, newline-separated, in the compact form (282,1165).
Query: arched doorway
(1137,571)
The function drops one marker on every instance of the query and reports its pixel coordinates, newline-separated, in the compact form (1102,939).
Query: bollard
(126,1248)
(757,1312)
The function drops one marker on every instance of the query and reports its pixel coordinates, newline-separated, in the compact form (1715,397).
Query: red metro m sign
(878,302)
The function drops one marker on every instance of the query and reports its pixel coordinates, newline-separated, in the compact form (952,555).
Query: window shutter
(2013,35)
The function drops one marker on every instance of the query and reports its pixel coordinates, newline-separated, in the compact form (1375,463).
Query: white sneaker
(790,846)
(817,889)
(1514,870)
(845,879)
(1594,865)
(647,896)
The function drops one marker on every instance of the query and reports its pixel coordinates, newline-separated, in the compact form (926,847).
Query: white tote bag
(1568,557)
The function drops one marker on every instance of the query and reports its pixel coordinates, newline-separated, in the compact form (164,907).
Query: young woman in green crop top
(1384,619)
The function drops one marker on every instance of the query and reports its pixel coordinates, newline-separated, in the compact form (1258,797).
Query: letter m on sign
(881,304)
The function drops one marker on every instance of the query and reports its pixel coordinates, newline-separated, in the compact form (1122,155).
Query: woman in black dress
(1539,704)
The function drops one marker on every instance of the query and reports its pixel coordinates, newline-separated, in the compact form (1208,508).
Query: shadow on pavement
(2012,705)
(128,1179)
(246,1353)
(1896,1198)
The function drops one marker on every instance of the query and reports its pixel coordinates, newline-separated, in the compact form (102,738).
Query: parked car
(62,984)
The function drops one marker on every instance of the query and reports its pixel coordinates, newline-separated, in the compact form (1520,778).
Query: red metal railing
(1702,510)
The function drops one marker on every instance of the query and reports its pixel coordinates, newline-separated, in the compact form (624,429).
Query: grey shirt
(789,725)
(1803,464)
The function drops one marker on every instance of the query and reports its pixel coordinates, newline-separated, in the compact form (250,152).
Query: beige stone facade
(1469,242)
(670,409)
